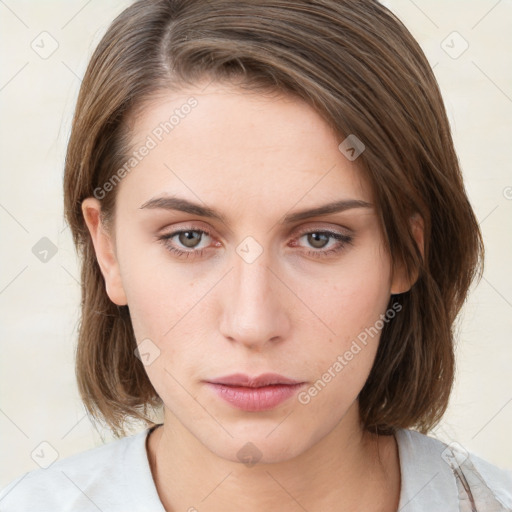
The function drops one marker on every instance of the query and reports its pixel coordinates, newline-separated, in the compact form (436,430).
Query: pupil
(189,237)
(316,238)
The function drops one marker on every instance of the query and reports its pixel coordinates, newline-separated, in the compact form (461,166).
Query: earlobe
(401,282)
(105,251)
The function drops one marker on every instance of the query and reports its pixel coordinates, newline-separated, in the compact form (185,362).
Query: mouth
(254,394)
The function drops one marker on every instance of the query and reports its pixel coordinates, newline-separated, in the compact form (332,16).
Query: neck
(348,469)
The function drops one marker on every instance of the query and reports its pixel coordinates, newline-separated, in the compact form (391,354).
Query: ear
(105,251)
(401,282)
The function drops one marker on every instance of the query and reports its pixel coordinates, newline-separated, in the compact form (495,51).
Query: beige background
(39,301)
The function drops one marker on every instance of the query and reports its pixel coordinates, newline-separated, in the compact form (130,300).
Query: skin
(254,158)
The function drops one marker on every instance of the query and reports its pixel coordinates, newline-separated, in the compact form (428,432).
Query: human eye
(185,243)
(192,242)
(320,239)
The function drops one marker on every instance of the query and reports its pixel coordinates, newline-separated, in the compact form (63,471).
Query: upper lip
(265,379)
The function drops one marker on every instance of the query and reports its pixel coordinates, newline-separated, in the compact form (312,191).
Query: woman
(276,243)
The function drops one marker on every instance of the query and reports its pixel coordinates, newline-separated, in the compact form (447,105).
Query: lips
(254,394)
(266,379)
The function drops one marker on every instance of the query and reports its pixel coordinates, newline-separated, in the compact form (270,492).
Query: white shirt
(116,477)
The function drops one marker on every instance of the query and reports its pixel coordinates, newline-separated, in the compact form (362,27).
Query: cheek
(163,306)
(159,293)
(167,307)
(351,298)
(350,304)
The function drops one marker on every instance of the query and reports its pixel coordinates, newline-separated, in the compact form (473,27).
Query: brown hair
(363,72)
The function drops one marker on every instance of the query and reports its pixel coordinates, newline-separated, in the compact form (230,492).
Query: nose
(254,305)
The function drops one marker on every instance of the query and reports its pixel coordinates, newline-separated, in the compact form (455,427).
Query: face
(241,283)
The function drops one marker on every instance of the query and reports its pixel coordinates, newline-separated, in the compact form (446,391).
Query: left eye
(320,240)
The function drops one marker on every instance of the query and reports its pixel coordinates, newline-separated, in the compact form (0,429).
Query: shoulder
(111,477)
(436,473)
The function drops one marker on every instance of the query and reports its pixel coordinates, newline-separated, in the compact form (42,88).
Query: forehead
(224,143)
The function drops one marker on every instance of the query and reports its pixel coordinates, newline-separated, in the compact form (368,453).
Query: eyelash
(343,241)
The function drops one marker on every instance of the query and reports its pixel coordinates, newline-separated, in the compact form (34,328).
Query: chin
(256,444)
(259,451)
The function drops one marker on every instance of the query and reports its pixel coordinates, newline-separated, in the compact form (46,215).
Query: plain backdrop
(44,52)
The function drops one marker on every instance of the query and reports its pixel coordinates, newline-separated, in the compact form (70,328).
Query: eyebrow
(186,206)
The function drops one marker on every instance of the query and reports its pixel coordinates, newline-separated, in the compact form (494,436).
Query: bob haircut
(362,71)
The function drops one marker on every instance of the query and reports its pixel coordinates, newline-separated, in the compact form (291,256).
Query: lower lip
(255,399)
